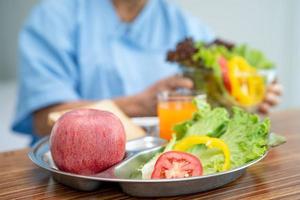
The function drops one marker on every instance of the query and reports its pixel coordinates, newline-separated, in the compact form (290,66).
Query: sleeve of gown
(47,61)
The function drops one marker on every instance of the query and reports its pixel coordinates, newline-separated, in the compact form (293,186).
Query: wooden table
(276,177)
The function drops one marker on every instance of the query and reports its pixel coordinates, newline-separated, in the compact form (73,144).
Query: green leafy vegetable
(275,140)
(211,124)
(208,56)
(212,159)
(255,57)
(205,122)
(246,137)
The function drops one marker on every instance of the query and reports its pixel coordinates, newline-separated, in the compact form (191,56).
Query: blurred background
(272,26)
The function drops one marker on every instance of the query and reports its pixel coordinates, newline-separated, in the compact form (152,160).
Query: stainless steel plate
(138,152)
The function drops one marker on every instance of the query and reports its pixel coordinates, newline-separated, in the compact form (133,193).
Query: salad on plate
(213,141)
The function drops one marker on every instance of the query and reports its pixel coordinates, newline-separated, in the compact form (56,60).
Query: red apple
(87,141)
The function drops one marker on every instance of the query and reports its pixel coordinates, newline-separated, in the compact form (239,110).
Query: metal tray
(138,152)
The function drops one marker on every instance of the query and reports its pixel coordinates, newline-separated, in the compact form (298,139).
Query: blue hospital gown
(80,50)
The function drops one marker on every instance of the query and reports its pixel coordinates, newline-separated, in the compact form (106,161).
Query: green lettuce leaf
(212,159)
(275,140)
(206,121)
(246,137)
(212,124)
(255,57)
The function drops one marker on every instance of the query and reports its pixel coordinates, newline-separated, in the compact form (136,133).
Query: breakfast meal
(203,138)
(87,141)
(230,75)
(141,100)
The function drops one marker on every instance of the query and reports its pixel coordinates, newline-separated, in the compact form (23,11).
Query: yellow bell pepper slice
(210,142)
(248,86)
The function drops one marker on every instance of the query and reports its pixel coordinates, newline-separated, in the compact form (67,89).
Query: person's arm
(142,104)
(48,67)
(41,125)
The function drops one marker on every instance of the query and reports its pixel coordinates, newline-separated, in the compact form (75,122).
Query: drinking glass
(175,107)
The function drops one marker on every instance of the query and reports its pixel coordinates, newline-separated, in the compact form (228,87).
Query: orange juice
(173,112)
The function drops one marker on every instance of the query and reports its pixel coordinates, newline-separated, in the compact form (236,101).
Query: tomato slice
(225,73)
(175,164)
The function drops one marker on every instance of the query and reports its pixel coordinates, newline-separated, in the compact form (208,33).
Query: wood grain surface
(276,177)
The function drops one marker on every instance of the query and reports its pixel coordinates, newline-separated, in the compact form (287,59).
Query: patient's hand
(145,103)
(272,98)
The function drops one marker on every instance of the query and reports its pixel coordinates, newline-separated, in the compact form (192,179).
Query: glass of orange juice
(174,108)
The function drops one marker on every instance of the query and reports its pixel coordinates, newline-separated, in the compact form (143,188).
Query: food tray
(137,152)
